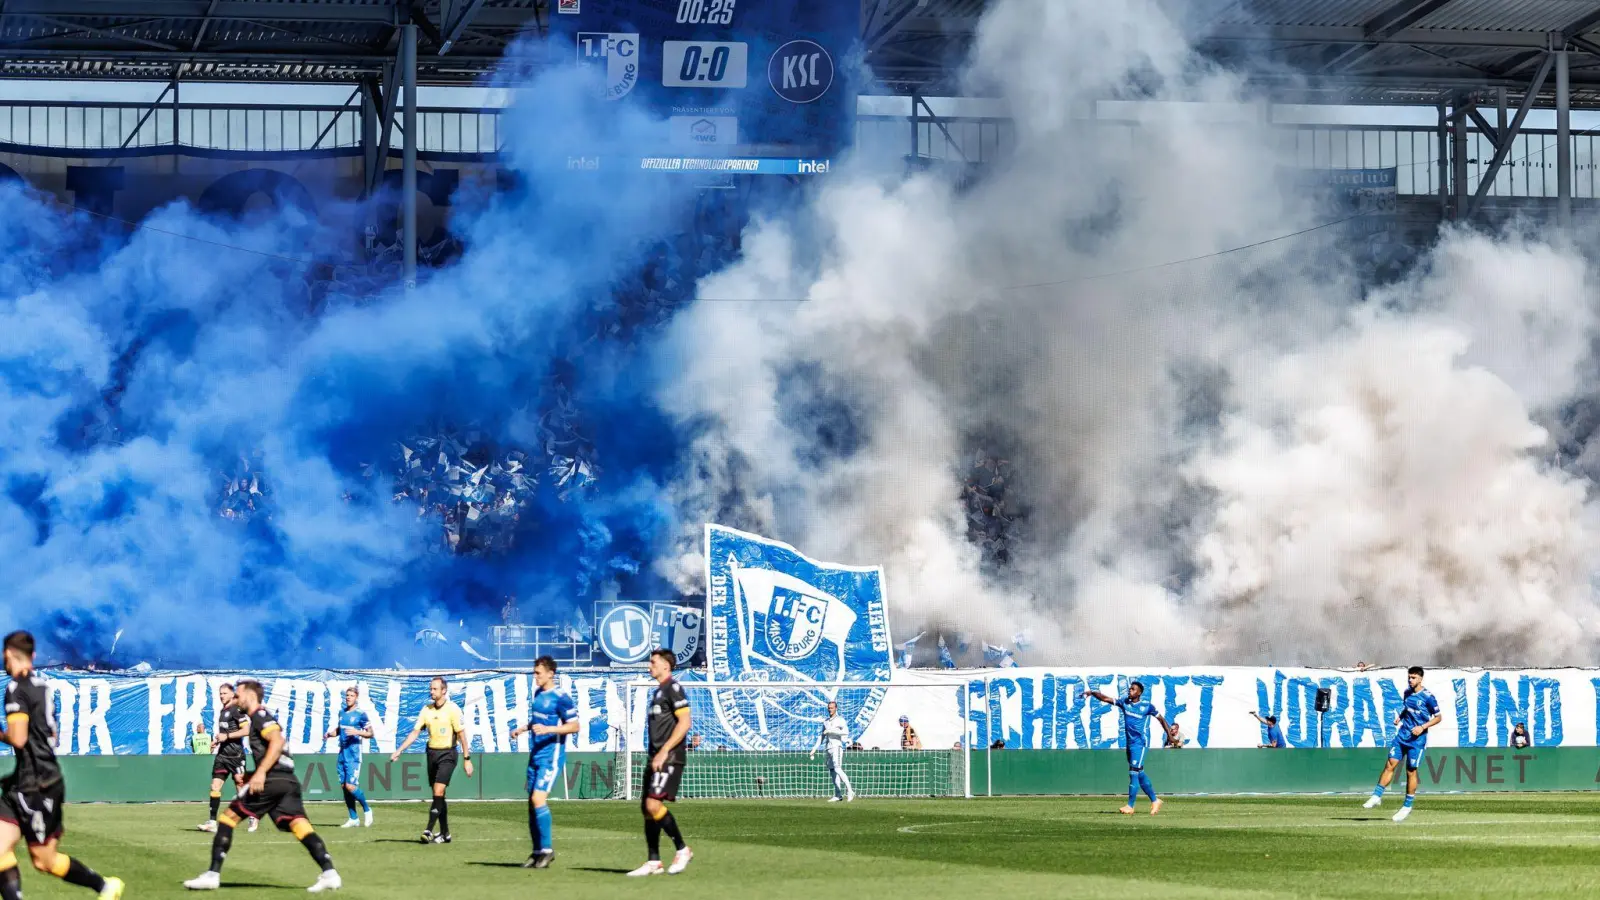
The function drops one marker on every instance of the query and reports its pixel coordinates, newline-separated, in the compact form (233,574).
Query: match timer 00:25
(704,64)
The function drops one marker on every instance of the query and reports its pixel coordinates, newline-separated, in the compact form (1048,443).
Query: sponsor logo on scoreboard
(616,55)
(704,131)
(800,71)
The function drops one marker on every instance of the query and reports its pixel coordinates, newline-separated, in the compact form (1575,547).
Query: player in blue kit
(1136,711)
(1419,713)
(552,718)
(353,730)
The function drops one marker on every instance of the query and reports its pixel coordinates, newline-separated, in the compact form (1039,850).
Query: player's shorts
(278,801)
(544,770)
(349,768)
(1136,757)
(441,765)
(227,768)
(663,784)
(1411,753)
(38,814)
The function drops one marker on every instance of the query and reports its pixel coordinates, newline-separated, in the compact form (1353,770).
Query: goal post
(762,740)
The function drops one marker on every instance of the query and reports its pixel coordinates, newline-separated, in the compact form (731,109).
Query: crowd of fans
(475,489)
(992,519)
(243,494)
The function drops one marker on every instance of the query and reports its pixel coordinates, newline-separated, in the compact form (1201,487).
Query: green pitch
(1528,845)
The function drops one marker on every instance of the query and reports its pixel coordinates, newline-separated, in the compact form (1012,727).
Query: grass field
(1526,845)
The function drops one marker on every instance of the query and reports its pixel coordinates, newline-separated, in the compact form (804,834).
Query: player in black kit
(273,792)
(228,762)
(669,723)
(31,797)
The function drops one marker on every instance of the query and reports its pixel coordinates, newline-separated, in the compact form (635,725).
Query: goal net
(764,740)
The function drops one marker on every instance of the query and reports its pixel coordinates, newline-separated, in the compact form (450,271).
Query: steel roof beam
(257,10)
(1385,25)
(1342,34)
(420,19)
(1583,25)
(205,25)
(82,28)
(1504,148)
(454,29)
(887,30)
(1489,131)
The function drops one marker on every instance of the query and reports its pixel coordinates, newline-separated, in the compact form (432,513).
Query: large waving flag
(776,615)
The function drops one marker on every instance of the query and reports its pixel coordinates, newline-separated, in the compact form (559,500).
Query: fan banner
(1047,708)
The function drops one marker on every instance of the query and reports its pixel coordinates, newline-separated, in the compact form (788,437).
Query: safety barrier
(501,776)
(1309,771)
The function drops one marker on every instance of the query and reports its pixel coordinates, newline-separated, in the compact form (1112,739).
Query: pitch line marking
(917,829)
(1264,826)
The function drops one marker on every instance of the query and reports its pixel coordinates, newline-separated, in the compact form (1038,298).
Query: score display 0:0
(704,64)
(705,12)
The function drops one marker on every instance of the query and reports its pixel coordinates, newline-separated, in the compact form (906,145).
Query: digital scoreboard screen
(737,86)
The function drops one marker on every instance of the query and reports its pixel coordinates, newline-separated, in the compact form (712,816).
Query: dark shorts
(663,784)
(227,769)
(278,801)
(38,813)
(441,765)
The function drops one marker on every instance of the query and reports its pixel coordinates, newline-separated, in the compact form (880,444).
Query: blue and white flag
(908,648)
(775,615)
(998,657)
(945,659)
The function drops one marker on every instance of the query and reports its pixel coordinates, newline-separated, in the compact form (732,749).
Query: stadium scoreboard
(729,86)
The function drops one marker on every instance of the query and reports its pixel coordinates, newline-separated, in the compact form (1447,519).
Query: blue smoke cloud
(136,367)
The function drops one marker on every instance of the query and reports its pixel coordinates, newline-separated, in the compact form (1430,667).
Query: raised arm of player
(275,739)
(678,732)
(1099,696)
(410,739)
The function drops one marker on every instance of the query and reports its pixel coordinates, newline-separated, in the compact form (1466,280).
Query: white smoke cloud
(1238,459)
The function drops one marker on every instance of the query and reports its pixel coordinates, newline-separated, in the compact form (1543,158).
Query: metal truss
(257,40)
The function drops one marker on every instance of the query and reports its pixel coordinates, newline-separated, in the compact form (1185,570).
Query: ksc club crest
(615,55)
(777,617)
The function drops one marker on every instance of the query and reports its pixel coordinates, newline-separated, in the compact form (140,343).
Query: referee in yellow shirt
(442,718)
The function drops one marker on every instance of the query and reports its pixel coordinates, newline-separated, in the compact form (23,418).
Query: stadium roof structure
(1414,52)
(1345,51)
(910,42)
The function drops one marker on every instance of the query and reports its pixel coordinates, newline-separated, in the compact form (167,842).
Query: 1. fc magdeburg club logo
(780,618)
(615,55)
